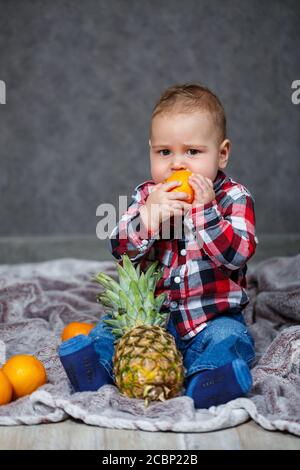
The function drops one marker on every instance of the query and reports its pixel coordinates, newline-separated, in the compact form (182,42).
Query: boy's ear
(224,153)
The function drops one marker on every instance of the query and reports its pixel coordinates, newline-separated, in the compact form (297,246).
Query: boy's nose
(178,164)
(178,167)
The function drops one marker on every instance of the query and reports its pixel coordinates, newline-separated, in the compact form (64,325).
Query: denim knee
(223,340)
(103,342)
(233,329)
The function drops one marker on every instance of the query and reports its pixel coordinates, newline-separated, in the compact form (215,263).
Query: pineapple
(146,362)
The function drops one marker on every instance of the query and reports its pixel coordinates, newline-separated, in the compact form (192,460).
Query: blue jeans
(224,339)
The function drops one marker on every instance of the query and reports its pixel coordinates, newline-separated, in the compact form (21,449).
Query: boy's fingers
(170,184)
(202,179)
(157,186)
(200,183)
(183,205)
(196,184)
(208,183)
(175,206)
(177,195)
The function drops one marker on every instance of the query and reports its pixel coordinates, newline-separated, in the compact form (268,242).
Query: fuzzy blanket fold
(38,299)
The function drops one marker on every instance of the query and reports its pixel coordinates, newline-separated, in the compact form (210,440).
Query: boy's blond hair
(191,97)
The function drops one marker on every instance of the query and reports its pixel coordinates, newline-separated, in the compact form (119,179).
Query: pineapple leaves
(153,280)
(107,282)
(138,270)
(109,297)
(143,287)
(150,271)
(159,300)
(153,316)
(131,300)
(143,316)
(149,301)
(124,278)
(111,322)
(119,322)
(129,268)
(123,303)
(163,319)
(117,332)
(137,300)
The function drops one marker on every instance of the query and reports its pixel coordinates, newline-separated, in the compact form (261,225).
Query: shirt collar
(219,179)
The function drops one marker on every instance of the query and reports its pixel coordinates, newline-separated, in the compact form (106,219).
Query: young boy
(203,270)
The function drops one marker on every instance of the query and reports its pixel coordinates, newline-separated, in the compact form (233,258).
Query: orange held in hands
(6,390)
(25,373)
(183,176)
(76,328)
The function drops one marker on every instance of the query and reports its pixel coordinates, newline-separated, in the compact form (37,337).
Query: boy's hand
(203,188)
(162,204)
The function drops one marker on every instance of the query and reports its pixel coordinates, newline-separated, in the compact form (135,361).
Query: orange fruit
(6,390)
(183,176)
(25,373)
(76,328)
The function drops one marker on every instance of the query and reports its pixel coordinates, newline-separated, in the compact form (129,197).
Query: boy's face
(181,141)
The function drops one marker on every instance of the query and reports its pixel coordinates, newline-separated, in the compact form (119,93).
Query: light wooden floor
(71,434)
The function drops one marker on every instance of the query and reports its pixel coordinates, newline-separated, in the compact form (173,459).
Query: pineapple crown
(132,301)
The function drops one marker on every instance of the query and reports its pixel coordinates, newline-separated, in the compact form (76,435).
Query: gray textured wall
(82,78)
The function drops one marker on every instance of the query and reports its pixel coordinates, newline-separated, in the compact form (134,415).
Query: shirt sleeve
(229,240)
(130,236)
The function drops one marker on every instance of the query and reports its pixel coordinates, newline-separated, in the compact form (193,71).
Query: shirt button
(177,279)
(173,304)
(183,252)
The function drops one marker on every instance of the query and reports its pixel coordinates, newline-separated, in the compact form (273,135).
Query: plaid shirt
(204,271)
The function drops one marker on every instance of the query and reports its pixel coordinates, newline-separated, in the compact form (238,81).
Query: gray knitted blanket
(38,299)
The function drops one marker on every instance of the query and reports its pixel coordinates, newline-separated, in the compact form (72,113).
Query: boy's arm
(228,240)
(130,236)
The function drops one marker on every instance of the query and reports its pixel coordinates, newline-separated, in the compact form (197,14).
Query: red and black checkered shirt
(203,259)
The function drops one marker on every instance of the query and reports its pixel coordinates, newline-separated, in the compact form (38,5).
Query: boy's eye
(166,150)
(194,150)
